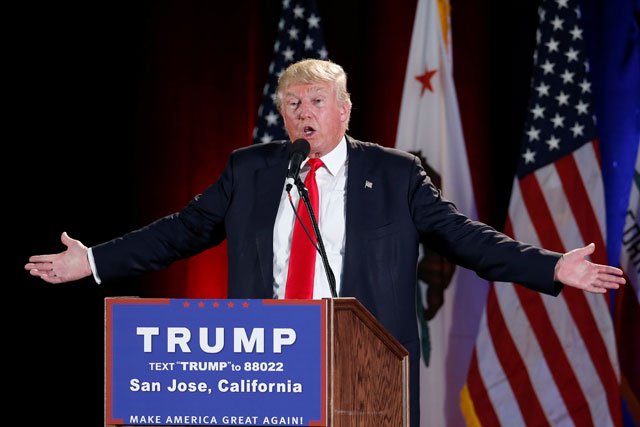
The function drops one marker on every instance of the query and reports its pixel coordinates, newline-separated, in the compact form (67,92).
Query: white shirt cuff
(92,264)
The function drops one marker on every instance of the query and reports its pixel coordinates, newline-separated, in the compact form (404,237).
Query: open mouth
(308,131)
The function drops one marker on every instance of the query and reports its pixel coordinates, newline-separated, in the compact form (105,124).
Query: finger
(39,266)
(66,240)
(42,258)
(610,270)
(39,273)
(51,279)
(613,279)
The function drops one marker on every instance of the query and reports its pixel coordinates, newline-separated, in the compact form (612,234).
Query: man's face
(312,112)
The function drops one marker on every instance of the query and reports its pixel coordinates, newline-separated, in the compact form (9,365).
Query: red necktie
(302,259)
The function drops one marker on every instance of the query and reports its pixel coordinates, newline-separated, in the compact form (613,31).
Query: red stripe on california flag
(513,366)
(554,353)
(481,402)
(585,217)
(576,299)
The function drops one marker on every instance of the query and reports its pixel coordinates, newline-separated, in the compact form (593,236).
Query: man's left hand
(574,270)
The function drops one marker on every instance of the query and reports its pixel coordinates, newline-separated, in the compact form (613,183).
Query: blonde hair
(310,71)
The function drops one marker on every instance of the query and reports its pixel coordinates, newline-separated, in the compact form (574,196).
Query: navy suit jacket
(385,222)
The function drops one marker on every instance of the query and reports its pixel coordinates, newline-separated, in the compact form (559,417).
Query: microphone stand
(304,195)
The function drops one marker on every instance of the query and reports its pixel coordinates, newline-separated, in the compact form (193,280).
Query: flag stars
(552,45)
(572,55)
(271,118)
(557,23)
(585,85)
(542,14)
(293,33)
(577,130)
(529,156)
(562,4)
(534,134)
(547,67)
(543,89)
(582,108)
(313,21)
(323,53)
(558,121)
(298,12)
(288,54)
(567,77)
(308,43)
(576,32)
(538,112)
(562,98)
(281,24)
(266,138)
(553,143)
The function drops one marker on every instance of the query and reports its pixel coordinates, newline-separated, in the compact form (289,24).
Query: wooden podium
(367,370)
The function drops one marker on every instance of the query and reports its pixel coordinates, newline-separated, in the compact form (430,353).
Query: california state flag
(429,124)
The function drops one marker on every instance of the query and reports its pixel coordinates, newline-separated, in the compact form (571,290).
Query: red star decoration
(216,304)
(425,79)
(245,304)
(230,304)
(200,304)
(186,304)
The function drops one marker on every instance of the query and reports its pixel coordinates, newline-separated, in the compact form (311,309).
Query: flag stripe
(500,394)
(552,349)
(513,366)
(538,372)
(557,308)
(580,310)
(584,216)
(480,398)
(535,203)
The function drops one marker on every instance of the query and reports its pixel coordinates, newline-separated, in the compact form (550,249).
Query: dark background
(123,112)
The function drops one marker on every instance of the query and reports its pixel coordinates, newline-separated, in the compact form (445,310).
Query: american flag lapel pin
(368,184)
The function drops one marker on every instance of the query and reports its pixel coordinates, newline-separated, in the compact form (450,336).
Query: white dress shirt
(332,185)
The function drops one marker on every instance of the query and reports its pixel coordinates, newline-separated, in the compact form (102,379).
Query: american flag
(541,360)
(299,37)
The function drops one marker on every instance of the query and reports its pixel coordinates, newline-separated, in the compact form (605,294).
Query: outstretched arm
(72,264)
(575,271)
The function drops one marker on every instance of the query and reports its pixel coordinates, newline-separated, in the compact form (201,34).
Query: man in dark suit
(376,206)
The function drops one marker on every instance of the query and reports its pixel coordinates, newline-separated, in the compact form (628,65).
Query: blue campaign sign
(215,362)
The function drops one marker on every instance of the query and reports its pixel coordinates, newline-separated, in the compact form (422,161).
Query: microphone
(298,151)
(304,195)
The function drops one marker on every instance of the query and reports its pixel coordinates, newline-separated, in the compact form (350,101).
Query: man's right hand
(72,264)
